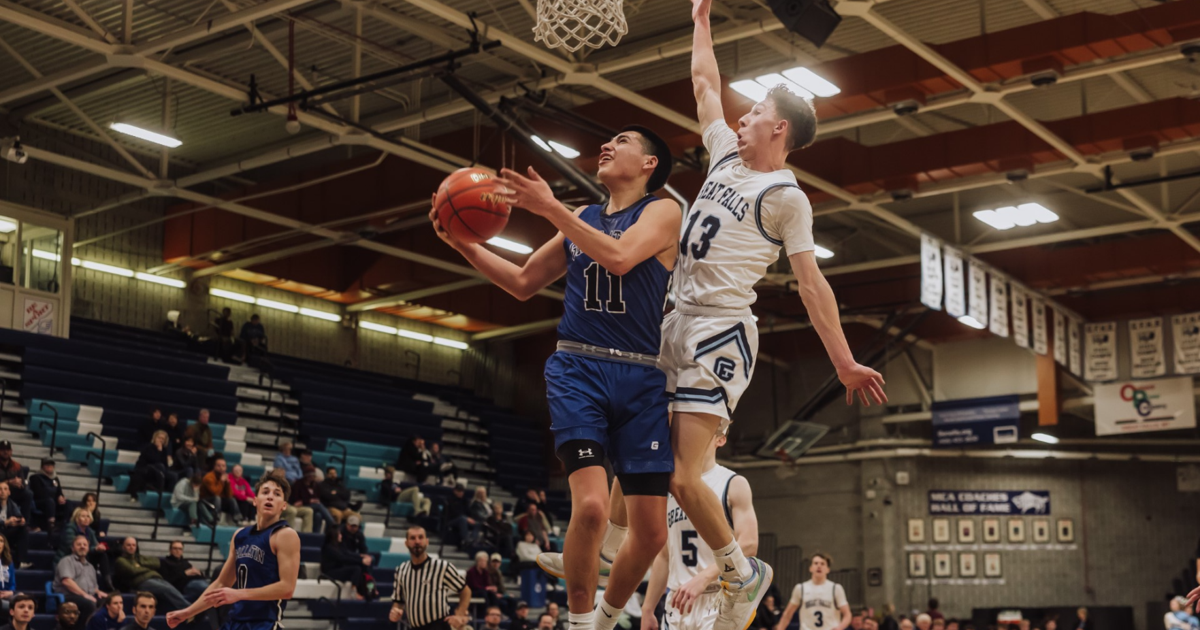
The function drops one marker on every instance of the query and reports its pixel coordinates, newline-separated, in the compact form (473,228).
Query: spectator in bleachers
(110,616)
(933,611)
(547,621)
(50,505)
(905,623)
(531,496)
(554,612)
(458,516)
(202,435)
(415,459)
(243,493)
(137,572)
(97,553)
(23,608)
(498,593)
(442,467)
(144,607)
(924,621)
(152,424)
(228,347)
(174,432)
(92,504)
(16,530)
(153,467)
(390,491)
(499,530)
(179,571)
(520,618)
(304,494)
(343,565)
(187,459)
(186,497)
(8,579)
(75,579)
(254,337)
(216,492)
(13,474)
(491,620)
(67,616)
(336,497)
(480,508)
(534,520)
(768,614)
(306,461)
(288,463)
(300,517)
(528,550)
(477,575)
(354,540)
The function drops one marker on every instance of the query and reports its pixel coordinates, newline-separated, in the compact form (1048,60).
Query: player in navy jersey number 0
(607,396)
(260,574)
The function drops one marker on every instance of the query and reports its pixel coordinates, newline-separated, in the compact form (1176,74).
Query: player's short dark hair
(140,595)
(824,556)
(800,114)
(653,144)
(277,479)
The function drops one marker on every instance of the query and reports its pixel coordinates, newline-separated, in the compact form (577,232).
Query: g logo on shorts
(724,368)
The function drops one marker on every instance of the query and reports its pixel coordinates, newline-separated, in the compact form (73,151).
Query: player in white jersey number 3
(821,601)
(749,207)
(685,568)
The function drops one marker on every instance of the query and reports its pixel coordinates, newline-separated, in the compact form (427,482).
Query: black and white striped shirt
(423,590)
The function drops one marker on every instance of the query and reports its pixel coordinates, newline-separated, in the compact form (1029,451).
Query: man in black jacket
(50,506)
(336,497)
(177,570)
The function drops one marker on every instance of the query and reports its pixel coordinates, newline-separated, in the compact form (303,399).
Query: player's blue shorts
(621,405)
(251,625)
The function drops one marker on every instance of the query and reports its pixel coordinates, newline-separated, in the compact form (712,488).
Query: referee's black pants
(440,624)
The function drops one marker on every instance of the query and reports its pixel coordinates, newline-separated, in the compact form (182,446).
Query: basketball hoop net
(573,24)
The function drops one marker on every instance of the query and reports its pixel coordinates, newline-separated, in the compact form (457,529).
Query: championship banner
(1020,316)
(931,272)
(1060,338)
(1100,363)
(1146,356)
(1040,345)
(977,296)
(1185,336)
(1075,347)
(956,283)
(1164,404)
(998,323)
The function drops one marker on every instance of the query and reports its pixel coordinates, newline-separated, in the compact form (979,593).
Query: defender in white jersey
(821,601)
(685,568)
(748,209)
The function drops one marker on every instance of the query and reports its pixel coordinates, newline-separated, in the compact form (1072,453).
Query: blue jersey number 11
(591,299)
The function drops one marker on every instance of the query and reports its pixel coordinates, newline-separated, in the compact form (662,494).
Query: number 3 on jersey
(820,618)
(710,226)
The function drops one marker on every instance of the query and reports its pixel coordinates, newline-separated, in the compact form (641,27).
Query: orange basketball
(469,205)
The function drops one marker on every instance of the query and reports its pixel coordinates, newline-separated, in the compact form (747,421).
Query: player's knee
(589,512)
(684,487)
(652,538)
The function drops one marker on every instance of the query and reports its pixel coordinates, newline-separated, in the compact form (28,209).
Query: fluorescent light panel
(972,322)
(821,252)
(329,317)
(7,226)
(1045,437)
(564,150)
(377,327)
(279,306)
(750,89)
(230,295)
(773,79)
(511,246)
(170,282)
(542,143)
(45,255)
(811,82)
(145,134)
(1024,215)
(118,271)
(450,343)
(408,334)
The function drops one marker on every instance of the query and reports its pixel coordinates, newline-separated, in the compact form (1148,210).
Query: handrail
(162,483)
(345,454)
(417,376)
(3,396)
(336,603)
(212,544)
(53,428)
(103,452)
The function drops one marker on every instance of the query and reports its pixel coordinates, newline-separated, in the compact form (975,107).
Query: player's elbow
(620,266)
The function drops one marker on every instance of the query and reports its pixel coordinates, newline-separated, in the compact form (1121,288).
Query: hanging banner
(1075,347)
(931,272)
(1020,316)
(1185,336)
(1101,361)
(1060,338)
(1146,356)
(998,323)
(38,316)
(956,283)
(1040,345)
(977,296)
(1163,404)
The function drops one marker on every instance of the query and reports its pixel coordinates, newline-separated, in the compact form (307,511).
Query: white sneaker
(552,563)
(739,602)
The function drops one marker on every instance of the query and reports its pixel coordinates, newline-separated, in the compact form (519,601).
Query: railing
(162,483)
(103,453)
(416,363)
(215,518)
(53,427)
(3,396)
(345,454)
(335,603)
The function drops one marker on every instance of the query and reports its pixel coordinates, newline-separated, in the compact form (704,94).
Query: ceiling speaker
(813,20)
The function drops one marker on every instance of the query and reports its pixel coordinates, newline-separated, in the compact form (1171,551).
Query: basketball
(469,205)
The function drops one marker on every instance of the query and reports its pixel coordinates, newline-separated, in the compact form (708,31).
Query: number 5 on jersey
(709,226)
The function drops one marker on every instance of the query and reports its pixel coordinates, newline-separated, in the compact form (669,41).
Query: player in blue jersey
(607,396)
(260,574)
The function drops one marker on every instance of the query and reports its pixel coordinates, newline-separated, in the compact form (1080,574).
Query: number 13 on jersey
(709,228)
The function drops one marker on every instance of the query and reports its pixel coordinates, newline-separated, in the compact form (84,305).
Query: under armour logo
(585,453)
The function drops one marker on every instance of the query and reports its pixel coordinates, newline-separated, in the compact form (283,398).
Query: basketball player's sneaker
(552,563)
(739,601)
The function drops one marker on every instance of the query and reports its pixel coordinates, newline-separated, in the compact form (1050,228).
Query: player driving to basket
(749,207)
(260,574)
(606,394)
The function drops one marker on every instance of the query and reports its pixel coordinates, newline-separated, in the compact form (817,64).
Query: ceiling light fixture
(279,306)
(329,317)
(7,226)
(145,134)
(511,246)
(450,343)
(811,82)
(408,334)
(750,89)
(170,282)
(821,252)
(775,79)
(230,295)
(377,327)
(118,271)
(542,143)
(1024,215)
(1045,437)
(564,150)
(972,322)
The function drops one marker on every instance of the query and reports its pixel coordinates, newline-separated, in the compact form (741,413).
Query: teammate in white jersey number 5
(749,207)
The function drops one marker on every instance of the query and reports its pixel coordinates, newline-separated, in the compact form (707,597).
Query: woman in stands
(243,494)
(81,525)
(186,497)
(91,504)
(152,469)
(260,574)
(8,579)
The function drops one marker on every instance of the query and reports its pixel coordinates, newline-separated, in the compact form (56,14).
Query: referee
(421,587)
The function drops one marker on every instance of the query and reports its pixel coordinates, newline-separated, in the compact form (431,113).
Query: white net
(573,24)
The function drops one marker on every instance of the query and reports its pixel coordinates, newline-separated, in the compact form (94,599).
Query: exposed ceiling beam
(416,294)
(518,330)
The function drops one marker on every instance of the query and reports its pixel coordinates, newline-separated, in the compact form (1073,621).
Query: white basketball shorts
(708,355)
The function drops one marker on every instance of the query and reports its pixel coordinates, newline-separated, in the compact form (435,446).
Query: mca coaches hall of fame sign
(989,502)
